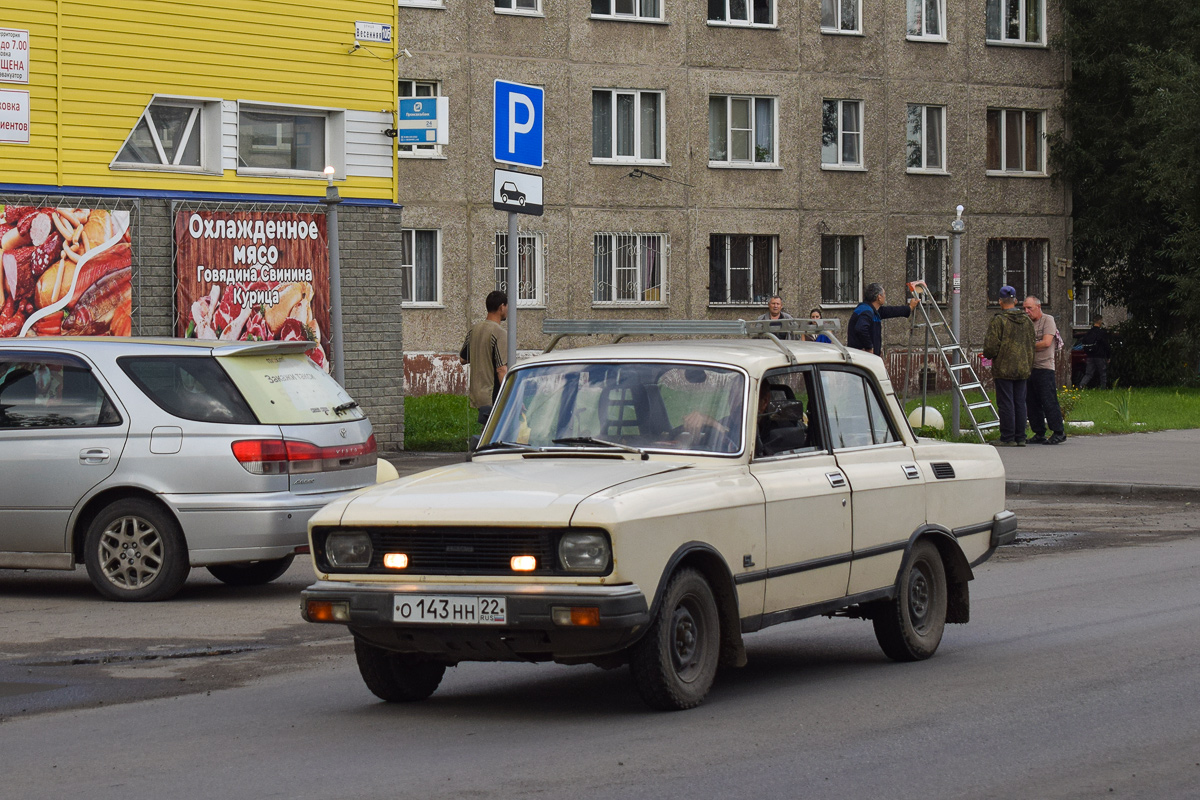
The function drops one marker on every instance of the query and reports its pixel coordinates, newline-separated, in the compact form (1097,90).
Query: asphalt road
(1075,678)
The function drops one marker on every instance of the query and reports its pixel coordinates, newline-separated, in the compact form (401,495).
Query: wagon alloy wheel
(674,663)
(134,550)
(397,677)
(910,627)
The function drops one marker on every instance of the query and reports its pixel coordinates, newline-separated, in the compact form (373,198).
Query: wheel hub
(919,599)
(131,552)
(686,642)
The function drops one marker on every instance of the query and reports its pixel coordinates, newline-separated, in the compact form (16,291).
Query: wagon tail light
(288,457)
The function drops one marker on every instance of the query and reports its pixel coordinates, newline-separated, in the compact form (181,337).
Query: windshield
(653,406)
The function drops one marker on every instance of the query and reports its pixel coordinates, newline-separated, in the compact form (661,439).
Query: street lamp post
(956,231)
(332,198)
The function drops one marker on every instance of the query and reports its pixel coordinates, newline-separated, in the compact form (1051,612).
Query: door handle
(94,455)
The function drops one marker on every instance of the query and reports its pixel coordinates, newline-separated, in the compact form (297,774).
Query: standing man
(1042,397)
(775,312)
(487,353)
(1009,344)
(866,323)
(1095,344)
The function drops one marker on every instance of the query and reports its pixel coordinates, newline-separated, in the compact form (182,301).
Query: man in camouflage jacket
(1009,344)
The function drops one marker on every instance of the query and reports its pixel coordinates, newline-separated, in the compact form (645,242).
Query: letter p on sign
(518,135)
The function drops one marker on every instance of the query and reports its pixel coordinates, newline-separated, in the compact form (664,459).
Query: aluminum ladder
(938,336)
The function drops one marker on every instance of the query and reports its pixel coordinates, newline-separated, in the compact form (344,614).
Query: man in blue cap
(1009,344)
(866,322)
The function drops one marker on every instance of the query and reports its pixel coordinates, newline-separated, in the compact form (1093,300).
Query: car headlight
(348,549)
(584,552)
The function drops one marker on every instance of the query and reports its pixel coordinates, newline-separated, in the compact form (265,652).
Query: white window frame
(840,134)
(1091,307)
(1002,140)
(612,240)
(922,35)
(749,21)
(994,23)
(637,127)
(335,138)
(729,162)
(924,168)
(525,239)
(536,11)
(419,150)
(836,28)
(756,298)
(856,286)
(411,269)
(939,290)
(636,16)
(204,122)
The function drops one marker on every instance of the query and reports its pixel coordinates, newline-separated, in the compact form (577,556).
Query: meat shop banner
(66,271)
(253,276)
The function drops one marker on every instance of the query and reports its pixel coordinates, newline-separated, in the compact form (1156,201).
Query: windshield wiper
(511,445)
(602,443)
(344,407)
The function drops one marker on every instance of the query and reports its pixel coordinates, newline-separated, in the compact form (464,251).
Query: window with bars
(420,266)
(409,88)
(741,12)
(841,270)
(841,133)
(530,268)
(741,130)
(627,125)
(1020,263)
(741,269)
(634,9)
(1016,141)
(629,268)
(1016,21)
(841,16)
(927,19)
(927,260)
(926,138)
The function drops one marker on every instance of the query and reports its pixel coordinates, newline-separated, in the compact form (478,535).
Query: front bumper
(529,635)
(1004,529)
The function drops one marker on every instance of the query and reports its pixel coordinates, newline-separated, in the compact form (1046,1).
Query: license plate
(450,609)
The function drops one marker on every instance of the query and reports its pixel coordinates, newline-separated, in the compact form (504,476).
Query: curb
(1080,489)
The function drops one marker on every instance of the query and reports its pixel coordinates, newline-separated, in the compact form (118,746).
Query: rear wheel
(134,550)
(674,663)
(397,677)
(254,574)
(910,627)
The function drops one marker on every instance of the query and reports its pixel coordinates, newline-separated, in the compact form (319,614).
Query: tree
(1131,153)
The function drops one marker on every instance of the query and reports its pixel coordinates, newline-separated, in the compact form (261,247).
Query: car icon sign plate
(517,192)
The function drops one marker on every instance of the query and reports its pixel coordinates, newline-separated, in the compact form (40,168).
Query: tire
(397,677)
(910,627)
(253,574)
(134,550)
(673,665)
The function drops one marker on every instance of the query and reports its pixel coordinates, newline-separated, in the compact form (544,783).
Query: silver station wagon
(651,504)
(143,458)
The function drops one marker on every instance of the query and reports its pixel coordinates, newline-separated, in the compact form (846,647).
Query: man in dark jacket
(1095,344)
(866,322)
(1009,344)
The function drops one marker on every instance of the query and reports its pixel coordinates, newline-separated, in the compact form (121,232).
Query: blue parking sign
(518,136)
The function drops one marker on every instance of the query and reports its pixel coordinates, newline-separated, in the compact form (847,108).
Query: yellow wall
(116,54)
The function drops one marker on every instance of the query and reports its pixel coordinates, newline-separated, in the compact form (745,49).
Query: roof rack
(755,329)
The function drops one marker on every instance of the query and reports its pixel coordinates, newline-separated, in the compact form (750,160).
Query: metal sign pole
(956,231)
(513,288)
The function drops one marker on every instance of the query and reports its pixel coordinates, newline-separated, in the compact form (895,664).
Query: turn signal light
(523,563)
(579,615)
(395,560)
(326,611)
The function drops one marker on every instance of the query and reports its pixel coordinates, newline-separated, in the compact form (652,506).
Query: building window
(741,269)
(926,261)
(420,266)
(841,16)
(627,125)
(1087,306)
(519,6)
(841,133)
(926,138)
(841,270)
(530,268)
(1016,141)
(636,9)
(741,130)
(1016,21)
(423,3)
(629,268)
(742,12)
(419,89)
(282,140)
(174,134)
(927,19)
(1020,263)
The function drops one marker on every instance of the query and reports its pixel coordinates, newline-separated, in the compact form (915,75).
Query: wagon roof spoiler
(261,348)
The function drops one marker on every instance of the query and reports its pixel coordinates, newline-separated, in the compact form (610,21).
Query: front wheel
(910,627)
(134,550)
(254,574)
(397,677)
(674,663)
